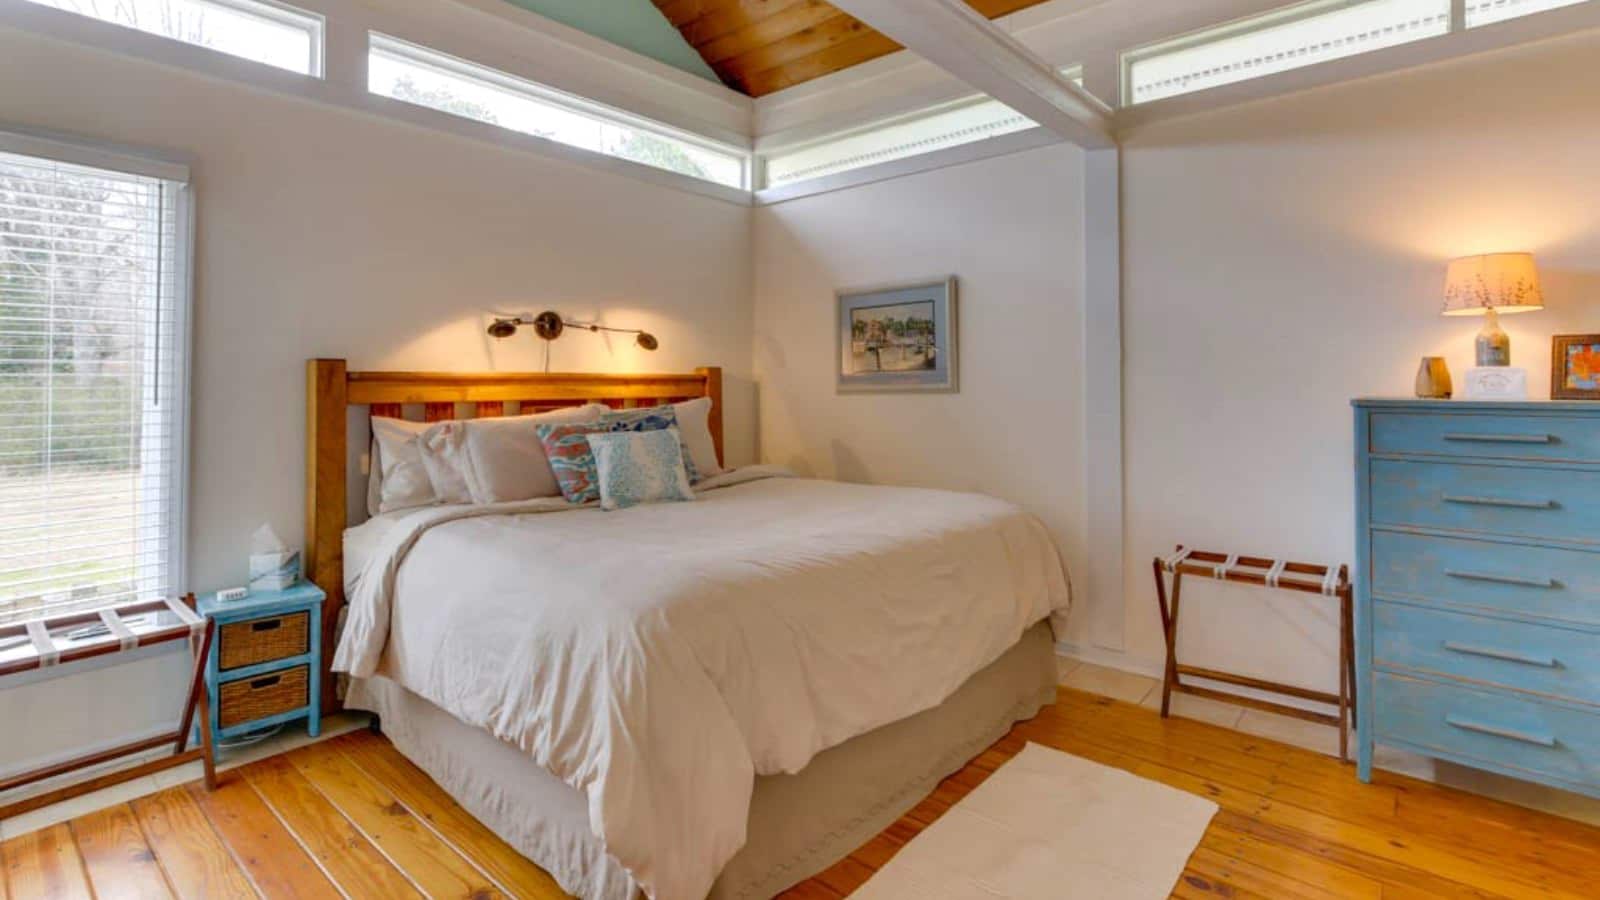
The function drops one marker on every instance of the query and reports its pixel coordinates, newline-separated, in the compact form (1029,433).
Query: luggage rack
(1260,571)
(68,637)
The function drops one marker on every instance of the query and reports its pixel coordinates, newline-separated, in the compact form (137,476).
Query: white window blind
(1487,12)
(93,288)
(1290,38)
(268,33)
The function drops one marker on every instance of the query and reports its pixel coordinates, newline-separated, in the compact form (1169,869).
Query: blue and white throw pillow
(635,467)
(650,419)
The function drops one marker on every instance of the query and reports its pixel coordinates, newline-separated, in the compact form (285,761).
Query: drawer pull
(1548,662)
(1502,579)
(266,682)
(266,625)
(1499,501)
(1503,438)
(1526,737)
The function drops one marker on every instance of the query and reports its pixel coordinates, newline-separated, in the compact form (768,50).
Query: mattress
(799,824)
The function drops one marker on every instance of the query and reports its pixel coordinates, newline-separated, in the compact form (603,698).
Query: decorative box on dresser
(265,666)
(1478,585)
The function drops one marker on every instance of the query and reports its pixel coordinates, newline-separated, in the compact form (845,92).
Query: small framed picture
(898,338)
(1575,367)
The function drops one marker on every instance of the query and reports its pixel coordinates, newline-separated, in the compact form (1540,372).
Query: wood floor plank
(845,875)
(1300,866)
(196,862)
(116,856)
(1567,867)
(353,813)
(433,865)
(1250,877)
(354,864)
(378,758)
(1413,851)
(269,853)
(45,863)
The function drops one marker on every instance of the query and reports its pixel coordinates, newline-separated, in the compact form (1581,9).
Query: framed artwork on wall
(1575,367)
(897,338)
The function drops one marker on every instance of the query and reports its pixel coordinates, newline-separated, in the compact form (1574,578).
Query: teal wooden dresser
(1478,585)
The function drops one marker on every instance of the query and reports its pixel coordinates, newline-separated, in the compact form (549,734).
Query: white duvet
(657,658)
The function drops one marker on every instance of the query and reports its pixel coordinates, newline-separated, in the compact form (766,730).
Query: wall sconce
(549,326)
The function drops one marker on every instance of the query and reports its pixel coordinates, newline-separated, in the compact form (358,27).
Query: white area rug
(1050,826)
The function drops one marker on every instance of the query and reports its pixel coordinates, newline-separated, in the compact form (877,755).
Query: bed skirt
(799,824)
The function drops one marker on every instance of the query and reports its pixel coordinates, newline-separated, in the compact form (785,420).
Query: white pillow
(403,481)
(505,460)
(444,457)
(694,422)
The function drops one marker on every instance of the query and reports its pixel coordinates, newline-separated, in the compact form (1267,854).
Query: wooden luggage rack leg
(1306,578)
(200,631)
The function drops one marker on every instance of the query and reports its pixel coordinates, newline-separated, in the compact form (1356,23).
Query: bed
(720,697)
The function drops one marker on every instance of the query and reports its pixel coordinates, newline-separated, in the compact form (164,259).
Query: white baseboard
(1111,659)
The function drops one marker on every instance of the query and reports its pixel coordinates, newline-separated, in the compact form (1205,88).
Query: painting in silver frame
(897,338)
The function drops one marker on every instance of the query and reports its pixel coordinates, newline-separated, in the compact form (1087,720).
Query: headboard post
(713,376)
(326,440)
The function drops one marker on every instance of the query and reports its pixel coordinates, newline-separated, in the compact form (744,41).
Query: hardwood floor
(351,816)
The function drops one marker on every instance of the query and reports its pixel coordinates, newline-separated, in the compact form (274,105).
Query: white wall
(329,233)
(1284,257)
(1011,229)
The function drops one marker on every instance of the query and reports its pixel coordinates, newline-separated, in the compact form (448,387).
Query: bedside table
(265,666)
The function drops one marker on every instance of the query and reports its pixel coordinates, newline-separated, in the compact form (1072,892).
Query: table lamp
(1487,286)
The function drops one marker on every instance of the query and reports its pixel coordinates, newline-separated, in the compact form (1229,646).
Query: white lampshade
(1504,282)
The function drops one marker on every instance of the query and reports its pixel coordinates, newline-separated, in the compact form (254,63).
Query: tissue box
(274,571)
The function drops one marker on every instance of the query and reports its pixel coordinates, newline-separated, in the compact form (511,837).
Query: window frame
(176,171)
(313,23)
(1284,15)
(431,58)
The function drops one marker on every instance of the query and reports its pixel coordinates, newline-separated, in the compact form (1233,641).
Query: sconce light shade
(1504,282)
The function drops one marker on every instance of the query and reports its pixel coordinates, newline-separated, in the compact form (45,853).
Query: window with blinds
(1488,12)
(1290,38)
(938,127)
(93,288)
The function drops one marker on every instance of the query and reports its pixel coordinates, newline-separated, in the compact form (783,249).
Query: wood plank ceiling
(761,46)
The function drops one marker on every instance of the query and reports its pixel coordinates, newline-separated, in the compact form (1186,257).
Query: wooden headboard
(331,389)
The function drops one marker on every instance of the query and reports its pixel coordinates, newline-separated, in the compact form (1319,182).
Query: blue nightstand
(265,666)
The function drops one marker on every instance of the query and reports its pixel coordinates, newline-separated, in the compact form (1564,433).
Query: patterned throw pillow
(567,448)
(651,419)
(640,467)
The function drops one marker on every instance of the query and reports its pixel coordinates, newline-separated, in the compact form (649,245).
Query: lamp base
(1495,383)
(1493,344)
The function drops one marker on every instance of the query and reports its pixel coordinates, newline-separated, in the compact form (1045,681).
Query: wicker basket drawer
(267,695)
(262,640)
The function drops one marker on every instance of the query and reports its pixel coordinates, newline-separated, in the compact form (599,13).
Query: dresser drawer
(1548,438)
(262,640)
(1563,585)
(1539,659)
(1554,504)
(1542,740)
(250,699)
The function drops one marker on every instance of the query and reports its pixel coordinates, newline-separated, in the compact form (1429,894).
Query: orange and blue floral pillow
(572,459)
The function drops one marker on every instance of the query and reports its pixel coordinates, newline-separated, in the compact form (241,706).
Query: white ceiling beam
(949,34)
